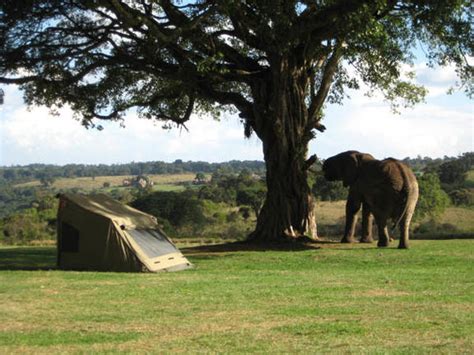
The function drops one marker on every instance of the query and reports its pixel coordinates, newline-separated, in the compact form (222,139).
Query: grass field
(462,218)
(162,182)
(336,299)
(330,218)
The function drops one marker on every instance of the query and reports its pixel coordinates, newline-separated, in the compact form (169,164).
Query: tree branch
(317,101)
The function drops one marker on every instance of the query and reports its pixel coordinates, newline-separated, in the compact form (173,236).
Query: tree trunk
(288,211)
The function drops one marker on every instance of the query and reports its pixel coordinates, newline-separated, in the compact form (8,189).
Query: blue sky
(444,125)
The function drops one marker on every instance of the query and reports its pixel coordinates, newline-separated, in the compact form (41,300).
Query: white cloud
(30,129)
(441,76)
(34,135)
(428,130)
(442,126)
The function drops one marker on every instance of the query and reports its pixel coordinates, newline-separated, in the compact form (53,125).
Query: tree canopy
(274,62)
(170,58)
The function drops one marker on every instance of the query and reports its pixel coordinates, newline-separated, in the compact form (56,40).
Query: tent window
(69,238)
(152,242)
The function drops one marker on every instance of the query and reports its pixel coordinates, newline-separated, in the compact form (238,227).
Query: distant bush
(328,190)
(432,200)
(462,197)
(433,227)
(47,180)
(28,226)
(178,208)
(217,194)
(455,172)
(123,195)
(14,200)
(219,217)
(233,232)
(33,221)
(252,196)
(232,217)
(242,189)
(167,226)
(245,212)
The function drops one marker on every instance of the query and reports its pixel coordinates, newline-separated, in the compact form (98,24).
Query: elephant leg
(367,221)
(405,228)
(352,207)
(384,239)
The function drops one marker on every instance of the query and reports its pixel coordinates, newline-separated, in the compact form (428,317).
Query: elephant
(386,189)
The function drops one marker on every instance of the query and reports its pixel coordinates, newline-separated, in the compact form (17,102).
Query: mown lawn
(338,298)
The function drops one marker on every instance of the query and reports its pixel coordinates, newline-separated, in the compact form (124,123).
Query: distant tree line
(46,172)
(426,163)
(448,168)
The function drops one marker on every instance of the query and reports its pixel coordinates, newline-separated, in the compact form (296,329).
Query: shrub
(252,196)
(453,172)
(232,217)
(245,212)
(462,197)
(219,217)
(178,208)
(26,227)
(233,232)
(167,226)
(328,190)
(432,200)
(433,227)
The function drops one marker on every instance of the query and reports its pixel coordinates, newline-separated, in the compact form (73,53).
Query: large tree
(275,62)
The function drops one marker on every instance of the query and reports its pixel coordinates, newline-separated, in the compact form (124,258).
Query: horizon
(204,161)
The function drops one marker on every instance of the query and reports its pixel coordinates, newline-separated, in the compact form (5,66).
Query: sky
(443,125)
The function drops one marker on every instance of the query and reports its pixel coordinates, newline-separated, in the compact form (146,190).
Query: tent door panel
(152,242)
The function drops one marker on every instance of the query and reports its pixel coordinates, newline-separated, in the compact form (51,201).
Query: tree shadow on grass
(245,246)
(440,236)
(27,259)
(227,250)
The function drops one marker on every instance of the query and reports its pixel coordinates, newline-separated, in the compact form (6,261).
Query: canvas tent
(96,232)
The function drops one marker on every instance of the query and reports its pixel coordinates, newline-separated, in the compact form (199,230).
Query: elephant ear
(352,163)
(350,167)
(345,166)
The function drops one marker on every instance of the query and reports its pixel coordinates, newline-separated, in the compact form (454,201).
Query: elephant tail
(395,225)
(409,191)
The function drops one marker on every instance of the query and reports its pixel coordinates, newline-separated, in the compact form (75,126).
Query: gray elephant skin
(385,189)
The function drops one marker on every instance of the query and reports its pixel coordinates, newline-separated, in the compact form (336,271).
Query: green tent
(96,232)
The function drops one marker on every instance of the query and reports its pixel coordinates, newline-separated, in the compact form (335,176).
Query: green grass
(168,187)
(336,299)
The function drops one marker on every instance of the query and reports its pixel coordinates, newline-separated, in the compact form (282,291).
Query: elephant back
(397,175)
